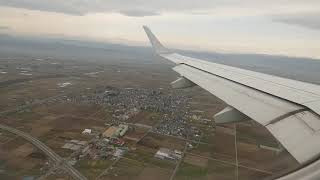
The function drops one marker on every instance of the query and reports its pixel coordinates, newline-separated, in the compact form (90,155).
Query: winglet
(157,46)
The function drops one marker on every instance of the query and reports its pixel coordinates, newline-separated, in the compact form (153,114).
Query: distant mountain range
(304,69)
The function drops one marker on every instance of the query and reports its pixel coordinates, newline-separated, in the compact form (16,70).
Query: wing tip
(145,27)
(157,46)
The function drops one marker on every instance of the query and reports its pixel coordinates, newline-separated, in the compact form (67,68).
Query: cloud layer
(126,7)
(273,26)
(154,7)
(308,20)
(4,28)
(138,13)
(297,12)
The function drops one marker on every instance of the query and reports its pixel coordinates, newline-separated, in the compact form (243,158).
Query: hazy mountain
(303,69)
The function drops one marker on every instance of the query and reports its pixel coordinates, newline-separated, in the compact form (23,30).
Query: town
(103,123)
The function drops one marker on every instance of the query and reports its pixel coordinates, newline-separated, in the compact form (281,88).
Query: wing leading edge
(289,109)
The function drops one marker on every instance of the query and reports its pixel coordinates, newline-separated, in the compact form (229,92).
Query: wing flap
(300,138)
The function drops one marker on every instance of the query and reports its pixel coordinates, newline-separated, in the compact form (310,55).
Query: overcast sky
(286,27)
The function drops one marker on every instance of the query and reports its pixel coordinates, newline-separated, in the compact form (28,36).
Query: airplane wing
(289,109)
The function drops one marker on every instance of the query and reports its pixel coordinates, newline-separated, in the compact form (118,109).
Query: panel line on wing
(287,115)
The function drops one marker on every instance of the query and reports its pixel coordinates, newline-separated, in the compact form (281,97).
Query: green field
(92,168)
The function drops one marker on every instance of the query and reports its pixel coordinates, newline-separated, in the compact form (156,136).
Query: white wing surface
(289,109)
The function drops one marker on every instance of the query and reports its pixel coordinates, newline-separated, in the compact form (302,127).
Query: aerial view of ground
(68,119)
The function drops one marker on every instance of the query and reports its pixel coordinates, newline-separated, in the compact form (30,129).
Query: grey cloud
(139,8)
(138,13)
(307,20)
(4,28)
(126,7)
(45,5)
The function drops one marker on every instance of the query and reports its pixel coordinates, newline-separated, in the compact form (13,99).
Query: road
(49,152)
(236,151)
(179,162)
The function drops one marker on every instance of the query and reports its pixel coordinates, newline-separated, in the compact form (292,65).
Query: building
(113,132)
(110,132)
(119,152)
(74,145)
(123,129)
(86,131)
(28,178)
(178,152)
(164,153)
(118,142)
(71,146)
